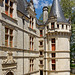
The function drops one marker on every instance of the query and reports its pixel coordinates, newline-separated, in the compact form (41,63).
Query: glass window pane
(11,3)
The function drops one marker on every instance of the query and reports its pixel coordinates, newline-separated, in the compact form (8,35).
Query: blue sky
(39,4)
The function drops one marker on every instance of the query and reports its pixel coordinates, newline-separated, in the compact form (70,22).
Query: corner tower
(57,39)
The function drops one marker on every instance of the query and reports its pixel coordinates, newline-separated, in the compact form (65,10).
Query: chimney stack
(45,14)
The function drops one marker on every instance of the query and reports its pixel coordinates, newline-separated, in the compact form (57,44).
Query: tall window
(41,43)
(53,44)
(41,33)
(41,72)
(11,38)
(41,62)
(31,22)
(66,26)
(8,37)
(41,53)
(31,43)
(53,62)
(31,65)
(58,26)
(53,67)
(52,26)
(53,54)
(62,26)
(9,8)
(47,27)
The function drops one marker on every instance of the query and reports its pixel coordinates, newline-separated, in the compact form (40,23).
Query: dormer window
(52,26)
(9,8)
(31,22)
(66,26)
(62,26)
(58,26)
(47,27)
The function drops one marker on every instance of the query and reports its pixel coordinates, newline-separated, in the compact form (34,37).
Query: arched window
(9,73)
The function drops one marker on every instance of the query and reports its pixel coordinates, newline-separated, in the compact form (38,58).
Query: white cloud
(41,3)
(36,1)
(44,3)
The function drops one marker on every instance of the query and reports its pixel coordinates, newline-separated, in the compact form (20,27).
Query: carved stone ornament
(9,63)
(9,58)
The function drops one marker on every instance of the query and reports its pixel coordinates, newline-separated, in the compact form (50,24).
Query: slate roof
(56,10)
(39,23)
(21,6)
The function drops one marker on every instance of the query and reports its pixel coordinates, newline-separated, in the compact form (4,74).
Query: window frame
(53,44)
(31,65)
(41,33)
(10,9)
(31,22)
(31,43)
(9,36)
(52,25)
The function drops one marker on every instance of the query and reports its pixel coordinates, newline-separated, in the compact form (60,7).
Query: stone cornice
(3,48)
(59,33)
(59,51)
(58,58)
(57,71)
(31,72)
(18,57)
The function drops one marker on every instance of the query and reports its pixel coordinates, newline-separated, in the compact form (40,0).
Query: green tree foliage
(67,7)
(72,44)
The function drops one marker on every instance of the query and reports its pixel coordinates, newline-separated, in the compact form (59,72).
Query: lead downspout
(23,42)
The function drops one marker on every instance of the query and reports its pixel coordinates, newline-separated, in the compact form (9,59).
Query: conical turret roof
(56,10)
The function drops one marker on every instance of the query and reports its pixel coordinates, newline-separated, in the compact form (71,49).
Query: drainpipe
(44,50)
(23,41)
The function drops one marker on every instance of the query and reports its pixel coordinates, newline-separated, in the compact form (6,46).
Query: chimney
(45,14)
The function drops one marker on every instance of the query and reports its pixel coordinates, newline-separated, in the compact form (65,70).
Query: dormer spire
(56,11)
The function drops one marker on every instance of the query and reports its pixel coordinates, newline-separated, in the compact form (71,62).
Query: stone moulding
(57,71)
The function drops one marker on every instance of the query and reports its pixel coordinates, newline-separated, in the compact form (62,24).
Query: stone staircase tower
(57,42)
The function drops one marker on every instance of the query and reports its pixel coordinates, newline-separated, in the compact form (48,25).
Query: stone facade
(26,46)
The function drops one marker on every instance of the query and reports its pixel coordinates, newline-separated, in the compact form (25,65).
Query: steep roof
(39,23)
(21,6)
(56,10)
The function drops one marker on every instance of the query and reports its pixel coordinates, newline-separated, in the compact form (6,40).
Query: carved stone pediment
(9,63)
